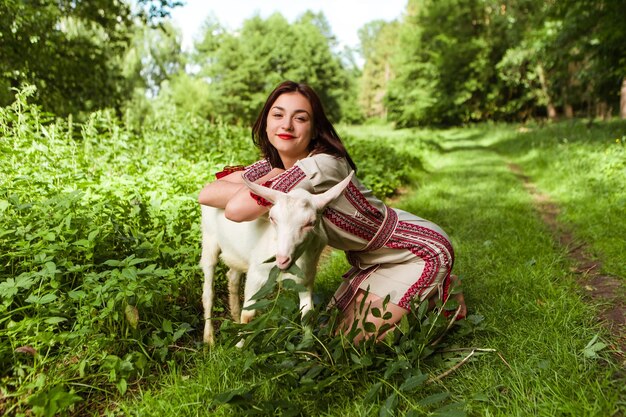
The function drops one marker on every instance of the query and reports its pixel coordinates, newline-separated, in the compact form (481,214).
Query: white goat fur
(244,247)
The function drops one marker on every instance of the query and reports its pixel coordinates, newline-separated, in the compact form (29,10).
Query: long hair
(325,138)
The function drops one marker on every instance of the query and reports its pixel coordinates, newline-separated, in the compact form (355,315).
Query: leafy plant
(316,360)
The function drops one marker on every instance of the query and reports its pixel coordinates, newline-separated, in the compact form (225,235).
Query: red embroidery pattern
(229,170)
(358,200)
(430,246)
(257,170)
(353,287)
(385,232)
(352,225)
(288,179)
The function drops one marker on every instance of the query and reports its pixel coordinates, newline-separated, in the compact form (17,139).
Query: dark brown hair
(325,139)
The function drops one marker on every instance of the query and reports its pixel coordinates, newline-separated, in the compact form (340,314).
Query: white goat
(292,227)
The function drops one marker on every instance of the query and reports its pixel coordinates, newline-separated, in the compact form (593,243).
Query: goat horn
(265,192)
(328,196)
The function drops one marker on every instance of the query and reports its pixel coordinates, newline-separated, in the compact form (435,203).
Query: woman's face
(290,127)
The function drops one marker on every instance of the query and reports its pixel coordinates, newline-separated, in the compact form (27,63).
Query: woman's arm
(219,192)
(242,207)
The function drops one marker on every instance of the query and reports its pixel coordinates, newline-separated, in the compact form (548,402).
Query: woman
(393,253)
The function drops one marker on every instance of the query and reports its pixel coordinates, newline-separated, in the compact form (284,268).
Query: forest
(502,121)
(443,63)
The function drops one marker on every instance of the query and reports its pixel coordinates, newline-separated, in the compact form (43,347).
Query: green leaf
(590,351)
(55,320)
(234,396)
(167,326)
(413,382)
(372,393)
(132,316)
(122,386)
(259,305)
(433,399)
(44,299)
(450,410)
(269,285)
(295,270)
(369,327)
(390,404)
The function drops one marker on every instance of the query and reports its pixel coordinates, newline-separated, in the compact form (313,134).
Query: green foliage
(382,167)
(582,167)
(460,61)
(72,51)
(378,45)
(241,69)
(99,243)
(315,360)
(99,239)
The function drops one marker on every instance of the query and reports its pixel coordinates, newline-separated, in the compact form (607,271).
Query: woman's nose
(287,124)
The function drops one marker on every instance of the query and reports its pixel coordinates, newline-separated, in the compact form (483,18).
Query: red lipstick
(285,136)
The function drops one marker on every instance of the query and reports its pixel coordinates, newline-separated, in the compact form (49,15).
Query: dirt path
(604,290)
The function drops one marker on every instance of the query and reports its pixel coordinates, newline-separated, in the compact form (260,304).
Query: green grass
(583,168)
(518,279)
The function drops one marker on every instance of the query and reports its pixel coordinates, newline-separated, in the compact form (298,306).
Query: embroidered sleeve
(257,170)
(284,182)
(229,170)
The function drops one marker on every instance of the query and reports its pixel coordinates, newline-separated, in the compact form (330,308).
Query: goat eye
(271,219)
(309,224)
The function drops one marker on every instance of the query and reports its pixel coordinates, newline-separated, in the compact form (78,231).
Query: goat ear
(322,200)
(267,193)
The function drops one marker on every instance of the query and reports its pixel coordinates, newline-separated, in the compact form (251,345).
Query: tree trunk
(622,100)
(602,110)
(568,110)
(544,88)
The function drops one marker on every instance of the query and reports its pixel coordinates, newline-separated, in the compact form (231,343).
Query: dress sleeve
(323,171)
(257,170)
(315,174)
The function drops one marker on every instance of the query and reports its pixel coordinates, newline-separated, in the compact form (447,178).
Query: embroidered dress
(391,252)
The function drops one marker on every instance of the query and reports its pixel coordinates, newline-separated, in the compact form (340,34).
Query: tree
(378,45)
(594,35)
(444,63)
(241,68)
(70,50)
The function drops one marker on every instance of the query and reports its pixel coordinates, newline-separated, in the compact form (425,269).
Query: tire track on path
(604,290)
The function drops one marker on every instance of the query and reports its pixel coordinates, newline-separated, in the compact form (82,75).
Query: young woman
(393,253)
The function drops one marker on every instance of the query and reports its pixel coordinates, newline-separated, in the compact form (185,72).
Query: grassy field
(100,288)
